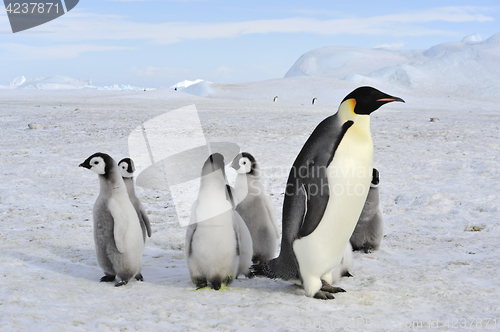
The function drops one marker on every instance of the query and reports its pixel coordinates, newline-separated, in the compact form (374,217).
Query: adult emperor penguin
(325,193)
(218,243)
(370,227)
(117,231)
(255,207)
(127,170)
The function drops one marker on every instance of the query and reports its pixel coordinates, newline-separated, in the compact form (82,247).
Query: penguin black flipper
(191,229)
(314,181)
(144,219)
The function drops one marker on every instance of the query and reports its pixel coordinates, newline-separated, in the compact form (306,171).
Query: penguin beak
(85,164)
(391,99)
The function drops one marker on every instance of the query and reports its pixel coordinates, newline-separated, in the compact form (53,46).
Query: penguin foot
(368,250)
(346,274)
(323,295)
(108,278)
(216,284)
(139,277)
(327,288)
(121,283)
(201,283)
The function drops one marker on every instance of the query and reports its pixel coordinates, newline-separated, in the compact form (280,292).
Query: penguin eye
(244,163)
(96,162)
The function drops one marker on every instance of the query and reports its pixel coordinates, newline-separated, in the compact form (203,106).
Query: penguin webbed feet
(121,283)
(326,287)
(139,277)
(217,284)
(346,274)
(201,283)
(108,278)
(324,295)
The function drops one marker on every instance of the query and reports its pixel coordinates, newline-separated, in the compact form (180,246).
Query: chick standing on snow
(127,170)
(117,231)
(218,243)
(255,207)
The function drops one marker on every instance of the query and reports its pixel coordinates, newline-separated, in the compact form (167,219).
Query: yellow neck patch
(346,110)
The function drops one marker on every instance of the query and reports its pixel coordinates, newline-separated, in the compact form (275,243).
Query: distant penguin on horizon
(318,217)
(314,101)
(275,99)
(369,230)
(117,230)
(218,243)
(255,207)
(127,170)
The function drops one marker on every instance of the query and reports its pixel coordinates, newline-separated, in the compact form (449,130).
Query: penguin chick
(117,231)
(214,245)
(320,211)
(346,264)
(369,230)
(127,170)
(255,207)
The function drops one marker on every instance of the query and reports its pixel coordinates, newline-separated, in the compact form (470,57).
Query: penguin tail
(261,269)
(274,269)
(265,269)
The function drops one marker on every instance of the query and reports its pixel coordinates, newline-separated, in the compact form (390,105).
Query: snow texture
(438,265)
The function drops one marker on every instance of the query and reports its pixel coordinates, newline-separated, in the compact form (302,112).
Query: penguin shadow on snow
(81,263)
(86,268)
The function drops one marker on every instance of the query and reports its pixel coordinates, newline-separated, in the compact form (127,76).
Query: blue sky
(156,43)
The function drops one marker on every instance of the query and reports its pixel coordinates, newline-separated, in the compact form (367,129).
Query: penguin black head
(99,163)
(245,163)
(127,167)
(369,99)
(375,178)
(214,162)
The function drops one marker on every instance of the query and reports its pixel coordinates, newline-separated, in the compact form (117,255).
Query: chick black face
(99,163)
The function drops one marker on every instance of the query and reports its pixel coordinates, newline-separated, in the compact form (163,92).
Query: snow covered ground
(437,269)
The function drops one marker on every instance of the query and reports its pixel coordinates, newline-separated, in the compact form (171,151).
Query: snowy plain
(438,265)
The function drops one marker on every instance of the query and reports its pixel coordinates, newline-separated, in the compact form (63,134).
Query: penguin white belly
(213,248)
(127,232)
(349,176)
(246,246)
